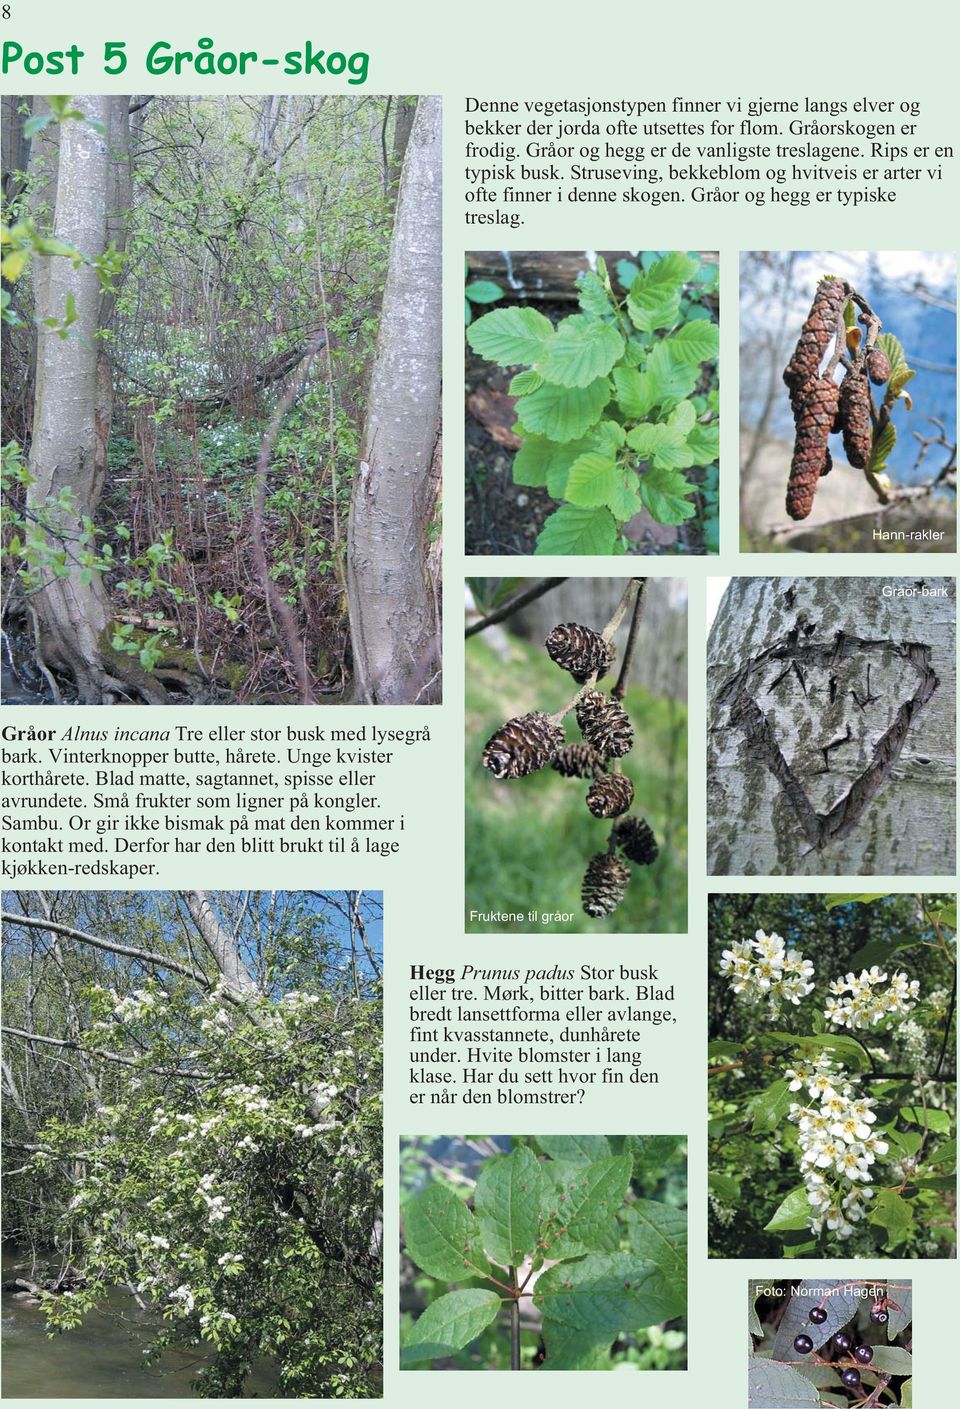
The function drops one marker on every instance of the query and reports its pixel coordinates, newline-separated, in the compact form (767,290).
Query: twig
(620,688)
(514,1323)
(513,604)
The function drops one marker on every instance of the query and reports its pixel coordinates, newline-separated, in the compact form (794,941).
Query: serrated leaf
(586,1303)
(593,297)
(694,343)
(658,1233)
(662,444)
(572,531)
(624,501)
(792,1215)
(892,1212)
(768,1107)
(669,377)
(510,335)
(891,1360)
(483,291)
(593,479)
(663,492)
(524,382)
(776,1386)
(583,350)
(703,442)
(633,392)
(654,298)
(443,1236)
(845,1049)
(882,446)
(563,413)
(533,460)
(652,1153)
(508,1206)
(587,1203)
(607,436)
(582,1149)
(682,417)
(448,1324)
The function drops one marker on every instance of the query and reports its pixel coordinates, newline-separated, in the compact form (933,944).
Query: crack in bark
(745,714)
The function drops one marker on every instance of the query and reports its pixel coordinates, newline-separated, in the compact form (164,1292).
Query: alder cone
(610,796)
(579,649)
(579,761)
(635,838)
(878,366)
(604,885)
(855,418)
(814,422)
(815,337)
(604,724)
(523,745)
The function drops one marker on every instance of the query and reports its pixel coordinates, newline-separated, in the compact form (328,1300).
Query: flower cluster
(837,1144)
(763,968)
(861,1002)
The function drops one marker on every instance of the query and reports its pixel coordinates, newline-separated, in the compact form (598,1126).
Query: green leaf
(900,1320)
(533,460)
(525,382)
(33,125)
(572,531)
(442,1235)
(582,351)
(906,1394)
(832,901)
(563,413)
(510,335)
(882,446)
(724,1187)
(694,343)
(845,1049)
(658,1233)
(652,1153)
(593,480)
(593,297)
(682,417)
(624,501)
(892,1212)
(586,1303)
(582,1149)
(663,492)
(891,1360)
(769,1107)
(703,443)
(448,1324)
(934,1120)
(793,1213)
(654,298)
(633,392)
(508,1206)
(669,377)
(483,291)
(663,445)
(14,263)
(777,1386)
(587,1203)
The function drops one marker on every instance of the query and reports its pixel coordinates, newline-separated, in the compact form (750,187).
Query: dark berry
(851,1378)
(803,1344)
(818,1314)
(863,1353)
(878,1316)
(842,1341)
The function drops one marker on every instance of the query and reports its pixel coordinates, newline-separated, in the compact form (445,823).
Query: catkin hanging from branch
(811,457)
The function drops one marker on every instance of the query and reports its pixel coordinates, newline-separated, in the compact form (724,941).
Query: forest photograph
(576,755)
(192,1144)
(832,1075)
(848,402)
(221,338)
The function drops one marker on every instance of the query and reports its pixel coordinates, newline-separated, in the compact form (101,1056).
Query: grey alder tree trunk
(830,727)
(394,624)
(72,610)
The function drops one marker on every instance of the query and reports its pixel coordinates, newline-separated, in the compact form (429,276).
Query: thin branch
(522,599)
(104,1056)
(620,688)
(129,951)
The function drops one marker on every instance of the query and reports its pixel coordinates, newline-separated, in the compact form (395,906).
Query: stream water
(102,1359)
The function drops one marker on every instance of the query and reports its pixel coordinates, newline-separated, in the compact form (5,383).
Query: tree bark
(393,616)
(831,746)
(119,201)
(73,614)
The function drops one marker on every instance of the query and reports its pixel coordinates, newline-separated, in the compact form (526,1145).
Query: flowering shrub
(841,1118)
